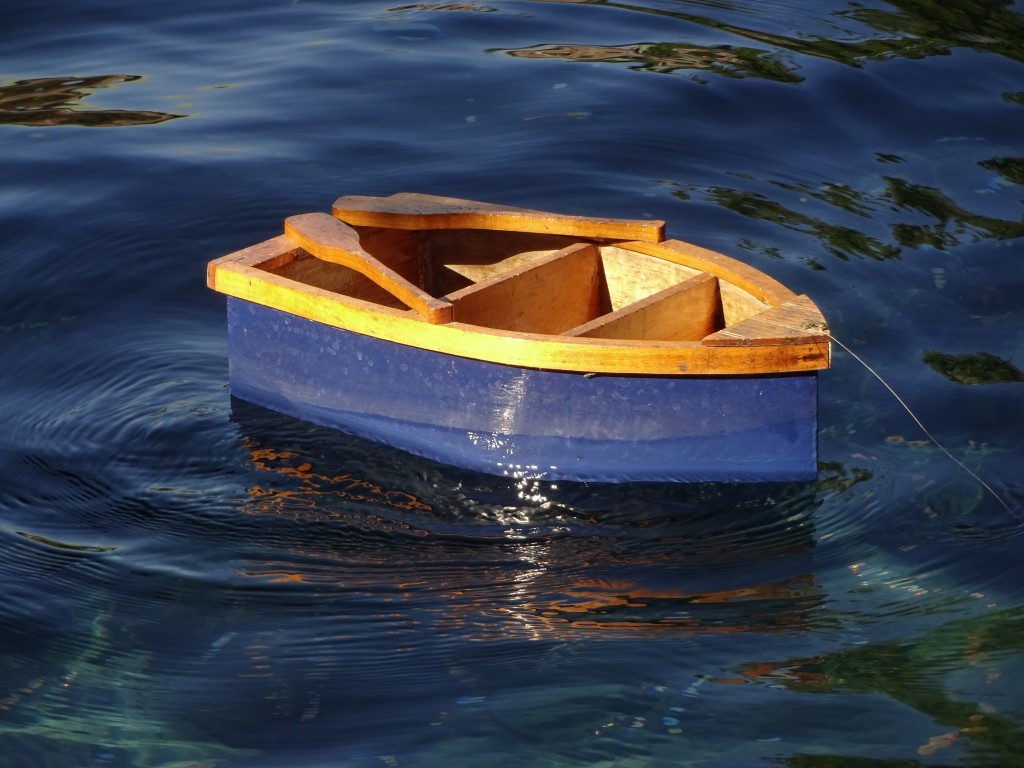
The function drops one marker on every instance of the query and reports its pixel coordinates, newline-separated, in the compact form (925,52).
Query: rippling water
(192,581)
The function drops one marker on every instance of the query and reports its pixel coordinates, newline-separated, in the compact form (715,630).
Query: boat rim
(793,339)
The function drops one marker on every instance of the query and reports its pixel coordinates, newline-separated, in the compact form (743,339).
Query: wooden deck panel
(794,322)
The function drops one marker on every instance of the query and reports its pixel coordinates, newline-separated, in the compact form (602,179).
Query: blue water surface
(192,581)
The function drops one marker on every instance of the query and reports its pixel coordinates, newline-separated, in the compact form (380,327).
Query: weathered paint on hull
(521,422)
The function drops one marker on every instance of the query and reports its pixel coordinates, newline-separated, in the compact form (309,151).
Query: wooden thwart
(408,210)
(688,311)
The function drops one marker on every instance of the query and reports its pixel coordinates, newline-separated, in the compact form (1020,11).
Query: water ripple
(189,581)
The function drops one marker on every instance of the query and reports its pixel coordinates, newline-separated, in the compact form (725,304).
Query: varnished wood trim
(794,322)
(237,275)
(416,211)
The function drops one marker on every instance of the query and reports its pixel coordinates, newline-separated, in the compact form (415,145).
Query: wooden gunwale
(245,275)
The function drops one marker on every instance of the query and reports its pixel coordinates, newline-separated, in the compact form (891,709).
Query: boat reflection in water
(484,557)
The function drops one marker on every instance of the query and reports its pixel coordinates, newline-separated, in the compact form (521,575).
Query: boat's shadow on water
(521,557)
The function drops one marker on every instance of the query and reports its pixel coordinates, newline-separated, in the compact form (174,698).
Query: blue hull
(521,422)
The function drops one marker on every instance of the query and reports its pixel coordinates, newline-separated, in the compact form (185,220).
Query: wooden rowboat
(527,344)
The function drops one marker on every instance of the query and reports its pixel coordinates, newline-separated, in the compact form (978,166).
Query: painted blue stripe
(523,422)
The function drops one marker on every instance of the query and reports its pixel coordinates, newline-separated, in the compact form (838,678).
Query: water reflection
(486,558)
(950,223)
(880,217)
(856,34)
(930,27)
(47,101)
(954,675)
(349,577)
(973,369)
(82,695)
(839,240)
(1010,169)
(729,61)
(444,7)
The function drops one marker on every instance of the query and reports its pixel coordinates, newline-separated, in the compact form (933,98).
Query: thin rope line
(924,429)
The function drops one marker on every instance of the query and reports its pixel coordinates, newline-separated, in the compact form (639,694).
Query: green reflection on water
(979,368)
(951,223)
(915,30)
(836,239)
(912,673)
(930,27)
(667,58)
(1011,169)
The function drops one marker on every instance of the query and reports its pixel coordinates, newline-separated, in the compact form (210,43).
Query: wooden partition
(549,295)
(688,311)
(456,259)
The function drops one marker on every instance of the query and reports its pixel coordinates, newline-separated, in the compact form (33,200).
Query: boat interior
(531,283)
